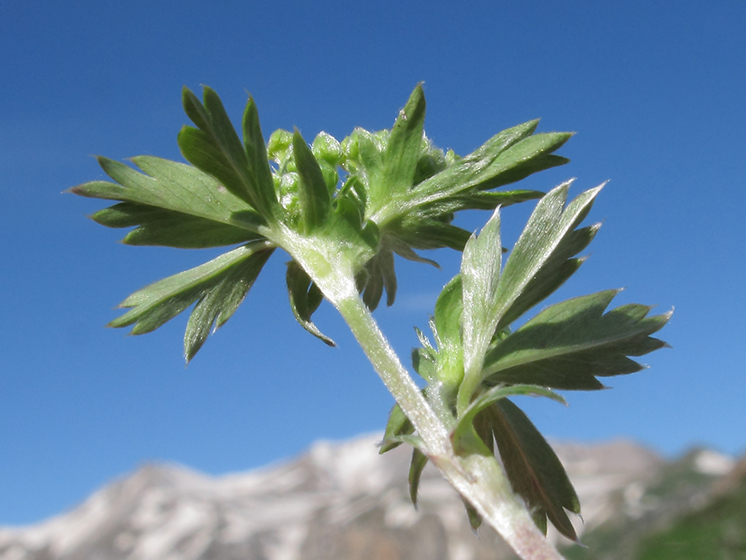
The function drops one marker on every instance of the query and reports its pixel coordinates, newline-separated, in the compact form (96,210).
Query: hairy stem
(478,478)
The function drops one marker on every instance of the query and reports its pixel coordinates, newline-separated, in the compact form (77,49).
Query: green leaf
(397,425)
(313,193)
(540,244)
(534,470)
(420,232)
(480,277)
(256,153)
(541,239)
(492,395)
(220,302)
(402,153)
(381,275)
(446,326)
(425,363)
(305,298)
(218,286)
(165,184)
(417,465)
(555,271)
(486,200)
(503,159)
(156,226)
(570,343)
(475,519)
(175,204)
(215,148)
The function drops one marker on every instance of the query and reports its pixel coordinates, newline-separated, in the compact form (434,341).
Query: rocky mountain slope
(342,501)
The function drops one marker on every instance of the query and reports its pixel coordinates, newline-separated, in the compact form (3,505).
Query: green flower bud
(288,195)
(279,146)
(331,177)
(326,148)
(350,146)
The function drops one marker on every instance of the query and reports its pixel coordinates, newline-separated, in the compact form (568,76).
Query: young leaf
(380,275)
(305,298)
(160,302)
(447,331)
(534,470)
(480,277)
(570,343)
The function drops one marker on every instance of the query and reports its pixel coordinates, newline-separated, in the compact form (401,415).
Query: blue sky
(655,92)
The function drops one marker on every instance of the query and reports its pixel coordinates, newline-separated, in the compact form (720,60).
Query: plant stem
(478,478)
(394,375)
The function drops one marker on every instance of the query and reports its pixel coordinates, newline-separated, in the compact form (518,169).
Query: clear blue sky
(655,91)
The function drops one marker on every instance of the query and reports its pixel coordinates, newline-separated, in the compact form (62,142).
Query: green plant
(398,195)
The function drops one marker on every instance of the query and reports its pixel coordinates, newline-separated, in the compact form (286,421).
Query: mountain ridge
(338,500)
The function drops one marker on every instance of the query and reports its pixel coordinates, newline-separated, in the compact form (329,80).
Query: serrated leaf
(215,148)
(570,343)
(313,193)
(305,298)
(505,158)
(542,237)
(219,303)
(533,469)
(175,205)
(157,226)
(555,271)
(480,278)
(160,302)
(488,200)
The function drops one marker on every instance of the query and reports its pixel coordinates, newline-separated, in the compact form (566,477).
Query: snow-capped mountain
(338,501)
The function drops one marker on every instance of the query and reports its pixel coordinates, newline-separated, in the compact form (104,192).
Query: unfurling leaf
(480,277)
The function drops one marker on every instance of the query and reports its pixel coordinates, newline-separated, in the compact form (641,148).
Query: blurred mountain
(342,501)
